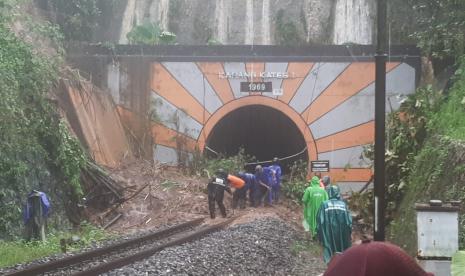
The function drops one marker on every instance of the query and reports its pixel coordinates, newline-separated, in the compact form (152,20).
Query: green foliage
(458,264)
(16,252)
(167,38)
(201,32)
(150,34)
(78,18)
(36,150)
(287,32)
(449,120)
(440,28)
(401,23)
(406,134)
(428,180)
(213,41)
(8,10)
(69,157)
(428,156)
(294,186)
(12,253)
(48,30)
(430,126)
(363,204)
(232,164)
(89,233)
(175,12)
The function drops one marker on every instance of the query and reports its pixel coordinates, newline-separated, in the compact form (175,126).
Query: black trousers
(262,196)
(239,198)
(216,196)
(252,196)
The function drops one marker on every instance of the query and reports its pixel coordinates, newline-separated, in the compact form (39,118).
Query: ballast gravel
(262,247)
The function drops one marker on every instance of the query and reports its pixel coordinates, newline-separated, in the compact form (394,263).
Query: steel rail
(97,270)
(78,258)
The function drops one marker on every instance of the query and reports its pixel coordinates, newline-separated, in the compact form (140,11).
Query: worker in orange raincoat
(240,191)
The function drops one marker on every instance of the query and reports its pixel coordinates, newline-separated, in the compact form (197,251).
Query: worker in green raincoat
(334,224)
(313,197)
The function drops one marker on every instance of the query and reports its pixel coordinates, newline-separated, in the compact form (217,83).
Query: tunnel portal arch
(266,105)
(325,91)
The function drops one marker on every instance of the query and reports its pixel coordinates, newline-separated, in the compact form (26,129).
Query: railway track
(111,257)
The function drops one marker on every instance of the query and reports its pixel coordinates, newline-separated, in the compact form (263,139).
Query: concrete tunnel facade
(321,99)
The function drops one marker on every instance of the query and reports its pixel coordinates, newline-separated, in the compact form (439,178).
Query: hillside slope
(438,170)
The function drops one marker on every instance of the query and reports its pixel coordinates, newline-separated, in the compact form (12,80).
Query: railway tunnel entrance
(263,132)
(198,96)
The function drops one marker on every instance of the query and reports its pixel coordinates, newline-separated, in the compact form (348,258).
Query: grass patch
(15,252)
(432,178)
(458,264)
(449,120)
(20,251)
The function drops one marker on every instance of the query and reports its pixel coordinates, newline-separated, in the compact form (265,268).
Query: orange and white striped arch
(331,103)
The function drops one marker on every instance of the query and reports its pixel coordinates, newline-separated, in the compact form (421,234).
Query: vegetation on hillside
(295,183)
(424,159)
(150,34)
(440,27)
(436,171)
(37,150)
(286,31)
(437,27)
(425,137)
(77,18)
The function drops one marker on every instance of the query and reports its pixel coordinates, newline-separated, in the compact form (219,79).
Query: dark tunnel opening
(262,131)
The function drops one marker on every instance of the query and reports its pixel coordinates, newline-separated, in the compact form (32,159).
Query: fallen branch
(123,200)
(136,193)
(100,184)
(111,222)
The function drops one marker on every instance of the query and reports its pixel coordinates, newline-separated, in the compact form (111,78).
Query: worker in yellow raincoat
(314,195)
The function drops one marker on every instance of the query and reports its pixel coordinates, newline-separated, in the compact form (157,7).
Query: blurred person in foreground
(374,259)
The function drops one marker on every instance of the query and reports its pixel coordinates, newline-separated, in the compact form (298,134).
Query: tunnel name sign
(244,75)
(319,166)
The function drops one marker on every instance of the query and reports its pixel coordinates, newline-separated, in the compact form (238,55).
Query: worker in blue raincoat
(264,177)
(276,184)
(249,186)
(35,214)
(334,224)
